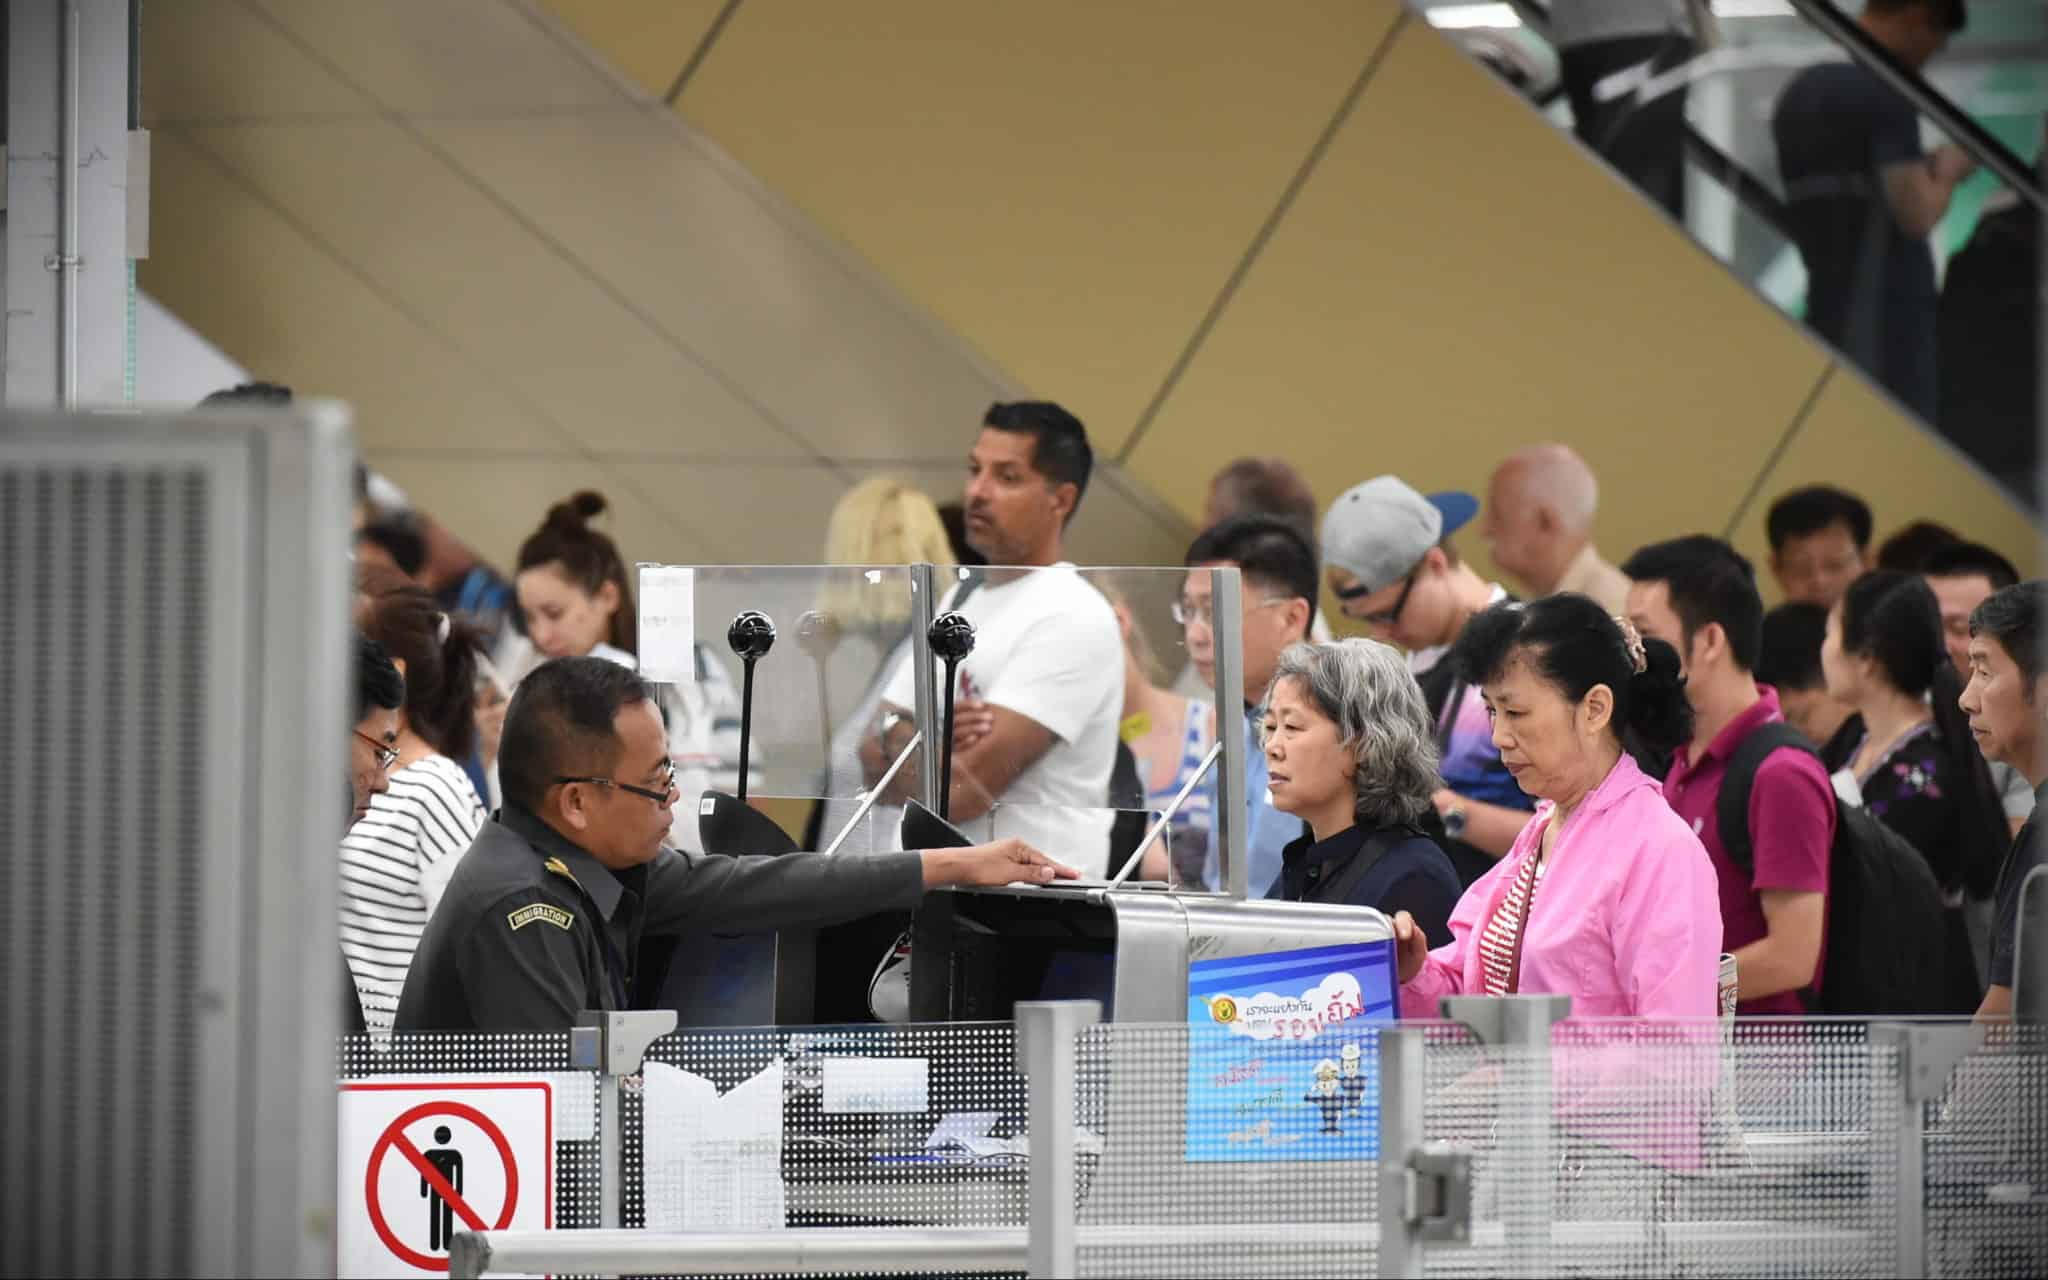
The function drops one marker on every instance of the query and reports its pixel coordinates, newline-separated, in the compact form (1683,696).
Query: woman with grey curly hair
(1350,750)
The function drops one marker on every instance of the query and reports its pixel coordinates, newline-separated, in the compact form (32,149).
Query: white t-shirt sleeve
(1058,668)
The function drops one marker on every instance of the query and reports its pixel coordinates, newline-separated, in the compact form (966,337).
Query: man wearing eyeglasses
(372,749)
(1277,565)
(1391,566)
(543,916)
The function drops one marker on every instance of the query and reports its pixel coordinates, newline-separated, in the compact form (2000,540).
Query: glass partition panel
(1085,706)
(1890,200)
(831,636)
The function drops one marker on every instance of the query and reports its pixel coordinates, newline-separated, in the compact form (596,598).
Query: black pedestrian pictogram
(440,1213)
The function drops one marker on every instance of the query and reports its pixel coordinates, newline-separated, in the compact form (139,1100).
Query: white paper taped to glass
(668,623)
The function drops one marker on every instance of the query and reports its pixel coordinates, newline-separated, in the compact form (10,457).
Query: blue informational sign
(1283,1053)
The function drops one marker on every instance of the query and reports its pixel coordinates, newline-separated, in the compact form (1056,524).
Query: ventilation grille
(104,577)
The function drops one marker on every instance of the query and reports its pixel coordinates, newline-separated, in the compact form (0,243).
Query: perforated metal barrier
(1794,1148)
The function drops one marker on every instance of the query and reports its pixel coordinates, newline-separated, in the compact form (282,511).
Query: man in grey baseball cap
(1388,560)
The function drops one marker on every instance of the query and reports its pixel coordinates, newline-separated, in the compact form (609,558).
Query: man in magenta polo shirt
(1698,595)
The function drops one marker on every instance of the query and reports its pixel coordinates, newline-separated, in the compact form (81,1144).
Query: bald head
(1539,513)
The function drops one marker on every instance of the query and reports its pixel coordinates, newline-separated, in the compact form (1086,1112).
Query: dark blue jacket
(1411,874)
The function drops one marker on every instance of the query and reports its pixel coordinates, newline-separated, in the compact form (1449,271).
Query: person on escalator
(1612,54)
(1863,197)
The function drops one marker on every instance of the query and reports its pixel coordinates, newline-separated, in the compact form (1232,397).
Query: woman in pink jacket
(1607,896)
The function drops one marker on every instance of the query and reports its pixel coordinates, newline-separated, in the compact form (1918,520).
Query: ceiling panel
(1456,281)
(471,270)
(446,56)
(1855,439)
(233,269)
(213,59)
(649,41)
(1067,184)
(696,245)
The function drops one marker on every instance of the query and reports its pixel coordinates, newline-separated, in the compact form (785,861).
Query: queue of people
(1504,777)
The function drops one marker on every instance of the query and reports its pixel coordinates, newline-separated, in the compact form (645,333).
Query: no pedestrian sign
(422,1160)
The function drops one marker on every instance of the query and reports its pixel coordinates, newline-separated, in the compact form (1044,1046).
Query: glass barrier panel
(1085,706)
(831,635)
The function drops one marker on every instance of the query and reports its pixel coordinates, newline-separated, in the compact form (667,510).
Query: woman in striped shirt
(1607,896)
(397,858)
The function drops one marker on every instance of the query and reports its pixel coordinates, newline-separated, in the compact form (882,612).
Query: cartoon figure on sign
(1352,1082)
(1327,1097)
(440,1214)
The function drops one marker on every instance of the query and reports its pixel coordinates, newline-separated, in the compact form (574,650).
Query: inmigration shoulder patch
(543,912)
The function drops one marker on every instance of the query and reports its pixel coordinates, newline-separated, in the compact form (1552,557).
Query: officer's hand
(1004,862)
(1411,946)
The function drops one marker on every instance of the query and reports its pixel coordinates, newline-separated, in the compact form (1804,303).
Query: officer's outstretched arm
(522,966)
(697,890)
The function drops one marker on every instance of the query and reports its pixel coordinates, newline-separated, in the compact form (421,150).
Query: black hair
(378,684)
(1059,449)
(1807,511)
(1954,17)
(1971,560)
(407,549)
(1893,618)
(1909,548)
(954,516)
(1268,487)
(1708,581)
(1576,644)
(2012,617)
(560,723)
(1265,549)
(1792,637)
(251,393)
(588,558)
(440,672)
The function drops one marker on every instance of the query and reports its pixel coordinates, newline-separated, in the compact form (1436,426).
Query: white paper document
(668,623)
(712,1162)
(875,1084)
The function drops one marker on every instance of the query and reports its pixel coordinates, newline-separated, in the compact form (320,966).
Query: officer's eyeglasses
(387,755)
(668,784)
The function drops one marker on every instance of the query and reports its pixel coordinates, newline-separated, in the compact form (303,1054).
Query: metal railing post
(1520,1025)
(1401,1084)
(1927,1055)
(614,1044)
(1046,1035)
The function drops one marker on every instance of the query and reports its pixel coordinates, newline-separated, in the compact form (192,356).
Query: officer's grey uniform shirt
(532,929)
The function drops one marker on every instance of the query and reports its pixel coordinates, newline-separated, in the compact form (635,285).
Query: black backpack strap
(1377,846)
(1731,809)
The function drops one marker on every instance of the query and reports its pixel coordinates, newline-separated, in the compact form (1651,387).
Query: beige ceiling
(530,277)
(722,257)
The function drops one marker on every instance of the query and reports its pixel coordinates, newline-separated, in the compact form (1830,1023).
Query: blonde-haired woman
(882,521)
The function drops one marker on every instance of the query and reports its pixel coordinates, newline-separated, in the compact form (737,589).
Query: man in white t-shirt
(1036,704)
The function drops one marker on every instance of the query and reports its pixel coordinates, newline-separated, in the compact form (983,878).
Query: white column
(67,202)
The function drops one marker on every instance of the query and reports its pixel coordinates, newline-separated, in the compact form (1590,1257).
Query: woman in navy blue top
(1351,751)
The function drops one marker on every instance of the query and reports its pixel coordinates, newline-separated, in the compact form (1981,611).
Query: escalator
(1809,148)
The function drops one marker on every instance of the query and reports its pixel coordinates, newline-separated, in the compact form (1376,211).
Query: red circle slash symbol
(394,1137)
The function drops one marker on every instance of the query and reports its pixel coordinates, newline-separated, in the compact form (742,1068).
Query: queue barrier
(1493,1142)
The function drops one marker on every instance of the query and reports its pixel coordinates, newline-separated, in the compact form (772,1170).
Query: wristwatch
(1454,821)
